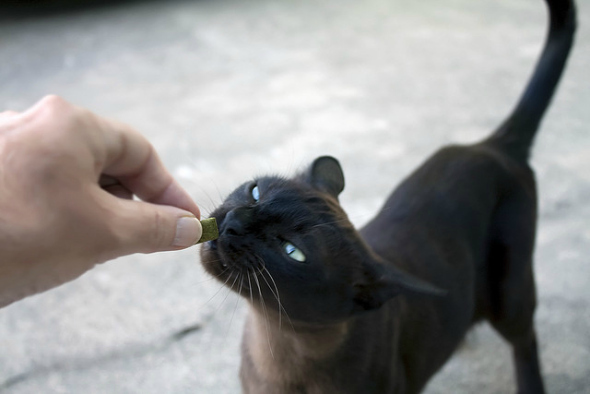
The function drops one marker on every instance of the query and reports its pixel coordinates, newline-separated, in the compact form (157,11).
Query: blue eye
(293,252)
(255,193)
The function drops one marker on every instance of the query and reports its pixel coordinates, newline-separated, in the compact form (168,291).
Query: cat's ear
(381,283)
(326,174)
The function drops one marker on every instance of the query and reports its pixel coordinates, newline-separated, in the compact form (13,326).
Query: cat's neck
(285,350)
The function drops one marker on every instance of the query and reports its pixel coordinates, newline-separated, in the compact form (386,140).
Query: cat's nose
(236,221)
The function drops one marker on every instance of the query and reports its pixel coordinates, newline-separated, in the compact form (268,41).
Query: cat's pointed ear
(381,283)
(326,174)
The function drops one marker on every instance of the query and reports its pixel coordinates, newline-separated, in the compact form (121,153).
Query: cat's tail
(515,136)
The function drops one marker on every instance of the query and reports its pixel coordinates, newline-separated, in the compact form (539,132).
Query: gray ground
(231,89)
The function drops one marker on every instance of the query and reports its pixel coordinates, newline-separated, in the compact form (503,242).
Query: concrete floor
(229,89)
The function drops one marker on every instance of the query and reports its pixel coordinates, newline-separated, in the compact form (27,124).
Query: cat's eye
(255,193)
(293,252)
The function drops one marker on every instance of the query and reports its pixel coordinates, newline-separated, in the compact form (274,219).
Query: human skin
(76,190)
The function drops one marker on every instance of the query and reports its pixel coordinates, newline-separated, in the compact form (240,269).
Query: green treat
(210,231)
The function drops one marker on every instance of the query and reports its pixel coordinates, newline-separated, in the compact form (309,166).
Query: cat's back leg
(511,285)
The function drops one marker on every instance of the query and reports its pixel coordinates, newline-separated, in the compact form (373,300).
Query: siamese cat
(380,309)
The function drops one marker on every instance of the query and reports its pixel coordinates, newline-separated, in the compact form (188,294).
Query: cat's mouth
(231,263)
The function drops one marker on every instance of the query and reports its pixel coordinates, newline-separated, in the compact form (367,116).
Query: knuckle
(54,99)
(53,111)
(161,231)
(57,110)
(53,103)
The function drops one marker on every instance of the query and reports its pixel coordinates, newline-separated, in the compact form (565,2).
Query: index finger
(132,160)
(5,118)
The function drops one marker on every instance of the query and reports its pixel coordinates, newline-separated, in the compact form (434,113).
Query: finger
(118,190)
(122,153)
(51,113)
(114,187)
(8,114)
(134,162)
(49,105)
(6,121)
(142,227)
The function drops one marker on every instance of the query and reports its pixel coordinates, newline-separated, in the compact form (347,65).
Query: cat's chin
(211,260)
(231,272)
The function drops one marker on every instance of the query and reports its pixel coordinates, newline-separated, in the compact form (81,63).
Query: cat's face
(289,241)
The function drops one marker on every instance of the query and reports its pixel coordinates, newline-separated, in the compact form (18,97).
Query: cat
(334,309)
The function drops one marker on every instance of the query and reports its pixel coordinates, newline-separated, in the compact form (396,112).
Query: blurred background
(227,90)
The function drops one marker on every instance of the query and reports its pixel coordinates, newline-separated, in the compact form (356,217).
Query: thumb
(146,228)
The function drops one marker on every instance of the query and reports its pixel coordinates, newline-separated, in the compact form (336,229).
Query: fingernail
(188,232)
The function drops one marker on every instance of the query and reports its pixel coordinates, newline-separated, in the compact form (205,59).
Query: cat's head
(289,241)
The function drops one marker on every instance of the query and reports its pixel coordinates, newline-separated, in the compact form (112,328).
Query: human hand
(67,181)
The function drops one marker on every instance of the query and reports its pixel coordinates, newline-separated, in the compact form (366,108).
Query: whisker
(241,274)
(213,203)
(217,292)
(212,261)
(278,299)
(265,316)
(276,295)
(209,277)
(250,287)
(229,289)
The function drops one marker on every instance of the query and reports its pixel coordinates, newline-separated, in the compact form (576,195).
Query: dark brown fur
(353,317)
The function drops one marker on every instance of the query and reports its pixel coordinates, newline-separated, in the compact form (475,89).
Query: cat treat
(210,231)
